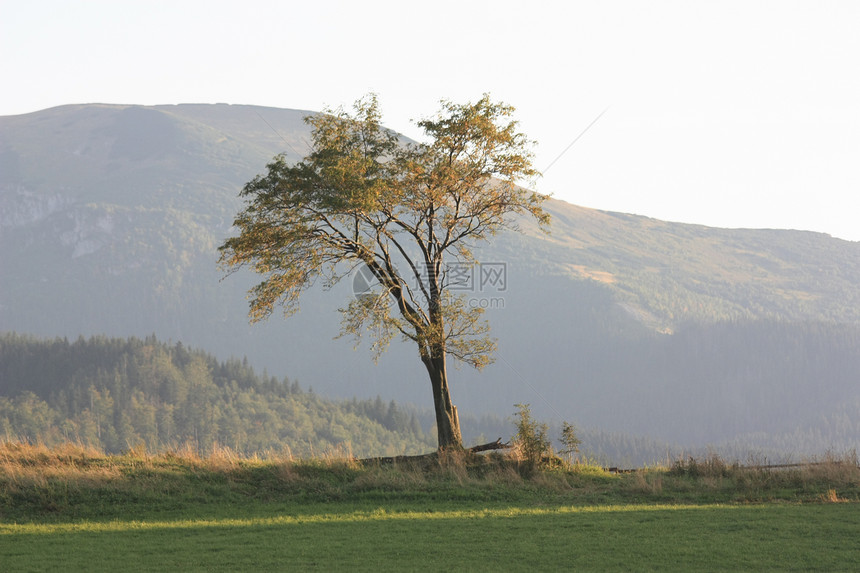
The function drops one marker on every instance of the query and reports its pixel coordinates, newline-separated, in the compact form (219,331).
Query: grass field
(76,510)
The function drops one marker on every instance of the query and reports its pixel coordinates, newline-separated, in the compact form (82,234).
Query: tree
(569,440)
(363,199)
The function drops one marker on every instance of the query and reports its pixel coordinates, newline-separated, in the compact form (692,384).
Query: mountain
(110,216)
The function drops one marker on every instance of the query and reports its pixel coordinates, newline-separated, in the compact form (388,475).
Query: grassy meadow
(73,508)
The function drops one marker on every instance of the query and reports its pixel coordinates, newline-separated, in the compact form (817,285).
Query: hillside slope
(110,217)
(117,394)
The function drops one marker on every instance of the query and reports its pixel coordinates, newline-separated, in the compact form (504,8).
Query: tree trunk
(447,420)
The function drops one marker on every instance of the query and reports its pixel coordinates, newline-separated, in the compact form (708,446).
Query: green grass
(336,537)
(73,509)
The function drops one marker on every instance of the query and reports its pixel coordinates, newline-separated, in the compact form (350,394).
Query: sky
(723,113)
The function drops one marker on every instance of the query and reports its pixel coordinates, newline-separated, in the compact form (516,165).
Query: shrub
(712,466)
(531,441)
(569,440)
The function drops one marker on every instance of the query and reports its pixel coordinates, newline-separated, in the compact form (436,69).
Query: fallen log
(614,470)
(490,446)
(497,445)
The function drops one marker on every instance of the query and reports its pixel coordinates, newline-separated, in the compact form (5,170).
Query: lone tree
(362,198)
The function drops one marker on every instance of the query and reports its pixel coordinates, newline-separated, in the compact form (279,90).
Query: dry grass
(647,482)
(77,480)
(832,497)
(25,465)
(817,478)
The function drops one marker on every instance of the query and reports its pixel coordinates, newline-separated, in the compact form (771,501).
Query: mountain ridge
(110,217)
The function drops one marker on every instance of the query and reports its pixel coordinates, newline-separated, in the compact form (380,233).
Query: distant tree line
(726,380)
(121,393)
(747,385)
(771,389)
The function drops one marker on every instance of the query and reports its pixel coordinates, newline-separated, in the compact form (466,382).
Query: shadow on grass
(710,537)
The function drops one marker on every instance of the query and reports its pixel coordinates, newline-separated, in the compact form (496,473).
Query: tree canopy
(363,198)
(117,394)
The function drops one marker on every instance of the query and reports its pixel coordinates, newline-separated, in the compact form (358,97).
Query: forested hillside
(122,393)
(110,217)
(793,387)
(117,394)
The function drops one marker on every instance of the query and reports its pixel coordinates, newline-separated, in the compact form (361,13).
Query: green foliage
(531,439)
(361,197)
(118,394)
(569,440)
(533,445)
(711,466)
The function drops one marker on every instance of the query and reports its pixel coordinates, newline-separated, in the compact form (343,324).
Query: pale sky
(728,114)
